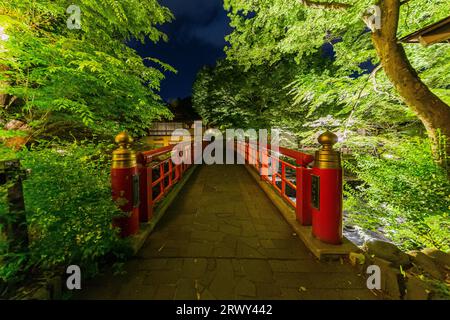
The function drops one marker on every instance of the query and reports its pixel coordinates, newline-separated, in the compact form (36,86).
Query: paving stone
(180,235)
(237,268)
(268,290)
(268,244)
(174,264)
(185,290)
(278,265)
(250,241)
(245,251)
(207,235)
(228,241)
(162,277)
(248,230)
(306,266)
(232,222)
(320,294)
(199,249)
(222,286)
(165,292)
(225,215)
(163,252)
(197,226)
(275,235)
(224,252)
(224,266)
(206,279)
(260,227)
(245,288)
(320,280)
(148,264)
(288,254)
(230,230)
(285,244)
(207,295)
(257,270)
(137,292)
(358,294)
(194,268)
(212,264)
(290,293)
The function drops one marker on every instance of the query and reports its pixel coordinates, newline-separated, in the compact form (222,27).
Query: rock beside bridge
(441,258)
(387,251)
(427,264)
(416,275)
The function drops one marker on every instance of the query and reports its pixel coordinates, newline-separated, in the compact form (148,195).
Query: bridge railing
(158,174)
(140,181)
(317,186)
(286,170)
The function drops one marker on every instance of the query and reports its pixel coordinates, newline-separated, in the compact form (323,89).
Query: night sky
(196,39)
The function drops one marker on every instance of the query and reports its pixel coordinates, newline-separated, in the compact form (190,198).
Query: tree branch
(325,5)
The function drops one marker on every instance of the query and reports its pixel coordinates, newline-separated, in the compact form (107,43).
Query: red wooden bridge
(231,231)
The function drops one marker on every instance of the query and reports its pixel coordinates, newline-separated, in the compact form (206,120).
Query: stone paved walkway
(222,238)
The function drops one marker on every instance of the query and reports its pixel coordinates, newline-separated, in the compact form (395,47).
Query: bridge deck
(222,238)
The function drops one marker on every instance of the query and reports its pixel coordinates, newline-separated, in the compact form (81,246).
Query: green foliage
(85,81)
(231,97)
(271,32)
(68,85)
(69,210)
(68,198)
(404,193)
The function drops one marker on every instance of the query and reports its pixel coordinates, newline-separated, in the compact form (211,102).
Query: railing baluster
(170,173)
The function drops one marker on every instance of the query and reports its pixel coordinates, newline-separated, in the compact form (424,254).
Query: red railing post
(146,190)
(246,152)
(264,163)
(303,193)
(170,173)
(125,185)
(327,192)
(162,176)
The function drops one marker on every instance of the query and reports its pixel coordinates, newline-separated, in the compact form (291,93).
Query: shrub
(404,194)
(69,208)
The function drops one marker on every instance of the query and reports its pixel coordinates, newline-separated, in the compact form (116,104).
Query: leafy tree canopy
(332,67)
(87,80)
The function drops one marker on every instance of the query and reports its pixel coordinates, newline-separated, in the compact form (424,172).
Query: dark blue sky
(196,39)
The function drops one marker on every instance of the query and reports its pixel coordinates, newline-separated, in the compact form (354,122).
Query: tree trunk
(432,111)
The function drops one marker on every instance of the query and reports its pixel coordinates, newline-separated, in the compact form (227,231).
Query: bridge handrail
(260,157)
(318,189)
(301,158)
(160,175)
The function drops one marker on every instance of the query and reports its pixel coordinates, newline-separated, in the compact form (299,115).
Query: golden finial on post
(327,157)
(123,139)
(328,140)
(124,156)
